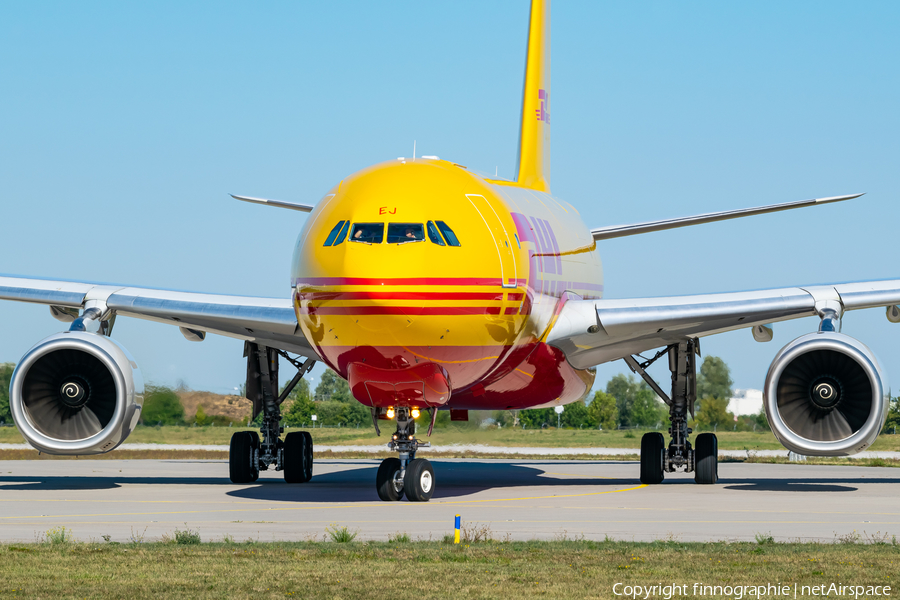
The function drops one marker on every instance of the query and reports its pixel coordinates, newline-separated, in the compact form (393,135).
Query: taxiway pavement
(479,449)
(516,499)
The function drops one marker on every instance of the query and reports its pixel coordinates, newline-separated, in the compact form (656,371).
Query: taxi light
(390,412)
(395,436)
(415,413)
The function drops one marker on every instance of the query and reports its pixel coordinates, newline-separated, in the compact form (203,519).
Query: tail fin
(534,135)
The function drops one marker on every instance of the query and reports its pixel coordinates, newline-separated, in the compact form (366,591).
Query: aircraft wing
(266,321)
(605,233)
(591,332)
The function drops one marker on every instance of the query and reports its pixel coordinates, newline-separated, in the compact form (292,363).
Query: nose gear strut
(407,475)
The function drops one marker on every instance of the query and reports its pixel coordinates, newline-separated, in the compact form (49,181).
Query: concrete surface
(480,448)
(522,499)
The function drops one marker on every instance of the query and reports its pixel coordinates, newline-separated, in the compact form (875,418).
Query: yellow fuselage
(479,310)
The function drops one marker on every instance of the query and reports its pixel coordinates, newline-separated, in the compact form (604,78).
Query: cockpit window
(434,236)
(402,233)
(334,233)
(342,234)
(448,233)
(369,233)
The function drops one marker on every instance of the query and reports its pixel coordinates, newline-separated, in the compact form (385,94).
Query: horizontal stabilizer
(278,203)
(605,233)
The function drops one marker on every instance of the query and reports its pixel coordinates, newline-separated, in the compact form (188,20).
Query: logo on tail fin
(543,113)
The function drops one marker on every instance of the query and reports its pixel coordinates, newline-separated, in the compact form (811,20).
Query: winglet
(533,165)
(279,203)
(838,198)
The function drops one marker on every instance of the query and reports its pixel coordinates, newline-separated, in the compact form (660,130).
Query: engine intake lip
(38,435)
(869,393)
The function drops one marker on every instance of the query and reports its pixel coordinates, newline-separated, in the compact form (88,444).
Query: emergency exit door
(502,240)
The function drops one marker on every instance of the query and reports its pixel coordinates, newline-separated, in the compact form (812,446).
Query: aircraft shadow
(776,485)
(101,482)
(453,479)
(456,479)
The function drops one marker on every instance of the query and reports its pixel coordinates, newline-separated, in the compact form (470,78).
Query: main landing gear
(249,454)
(405,475)
(656,458)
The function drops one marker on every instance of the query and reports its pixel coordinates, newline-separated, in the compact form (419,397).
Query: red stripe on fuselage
(404,296)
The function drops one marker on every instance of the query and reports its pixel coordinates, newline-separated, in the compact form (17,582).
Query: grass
(187,536)
(59,535)
(340,534)
(425,570)
(569,438)
(764,539)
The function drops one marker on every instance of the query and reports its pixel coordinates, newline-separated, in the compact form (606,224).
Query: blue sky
(124,126)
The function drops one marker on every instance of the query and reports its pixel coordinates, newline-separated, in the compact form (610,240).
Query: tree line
(331,402)
(627,402)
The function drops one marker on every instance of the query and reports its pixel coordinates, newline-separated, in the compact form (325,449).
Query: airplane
(430,287)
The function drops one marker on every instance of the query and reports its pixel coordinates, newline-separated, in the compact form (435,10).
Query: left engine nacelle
(826,395)
(76,393)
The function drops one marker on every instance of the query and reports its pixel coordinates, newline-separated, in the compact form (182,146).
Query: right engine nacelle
(825,395)
(76,393)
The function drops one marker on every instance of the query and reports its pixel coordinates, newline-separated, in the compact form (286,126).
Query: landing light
(390,412)
(415,413)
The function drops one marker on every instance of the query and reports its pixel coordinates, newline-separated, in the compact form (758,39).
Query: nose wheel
(416,480)
(389,480)
(407,474)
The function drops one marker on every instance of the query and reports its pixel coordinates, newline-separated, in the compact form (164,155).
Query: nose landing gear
(405,475)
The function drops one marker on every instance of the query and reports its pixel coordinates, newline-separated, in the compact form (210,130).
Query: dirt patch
(235,408)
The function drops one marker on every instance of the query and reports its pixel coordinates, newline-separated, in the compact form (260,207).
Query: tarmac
(481,449)
(145,500)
